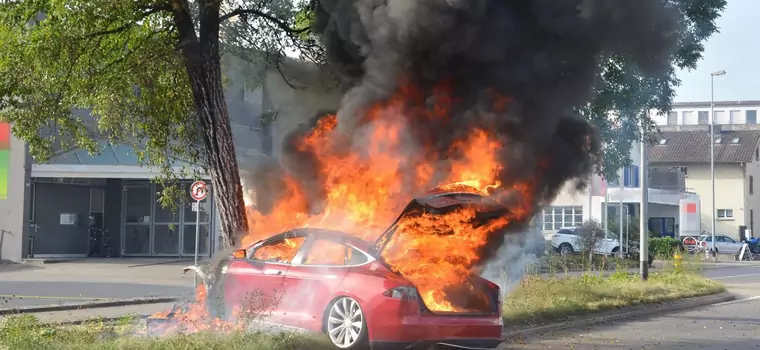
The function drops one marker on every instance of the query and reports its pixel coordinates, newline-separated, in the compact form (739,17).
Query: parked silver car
(723,244)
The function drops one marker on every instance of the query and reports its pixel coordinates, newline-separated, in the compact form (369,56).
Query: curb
(135,318)
(622,314)
(88,305)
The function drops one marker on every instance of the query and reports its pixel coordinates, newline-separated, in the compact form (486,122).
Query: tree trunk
(202,62)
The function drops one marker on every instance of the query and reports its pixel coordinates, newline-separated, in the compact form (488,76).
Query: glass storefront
(152,230)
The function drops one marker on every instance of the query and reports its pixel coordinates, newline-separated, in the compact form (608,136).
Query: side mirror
(239,254)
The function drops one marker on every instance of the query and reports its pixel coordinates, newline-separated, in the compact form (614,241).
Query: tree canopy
(149,70)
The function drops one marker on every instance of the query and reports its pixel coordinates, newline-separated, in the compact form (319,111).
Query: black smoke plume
(544,55)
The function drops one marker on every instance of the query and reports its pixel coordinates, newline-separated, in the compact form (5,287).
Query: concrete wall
(13,210)
(730,192)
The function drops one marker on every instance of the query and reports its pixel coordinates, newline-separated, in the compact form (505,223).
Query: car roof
(321,233)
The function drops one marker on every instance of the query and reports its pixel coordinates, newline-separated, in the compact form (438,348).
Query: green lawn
(544,299)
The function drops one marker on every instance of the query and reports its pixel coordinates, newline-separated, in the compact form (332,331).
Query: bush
(664,247)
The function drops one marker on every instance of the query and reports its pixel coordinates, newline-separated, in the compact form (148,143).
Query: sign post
(198,191)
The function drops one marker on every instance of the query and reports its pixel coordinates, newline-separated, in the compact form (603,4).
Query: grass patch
(26,333)
(541,299)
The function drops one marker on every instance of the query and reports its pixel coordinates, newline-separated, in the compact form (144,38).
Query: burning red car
(333,282)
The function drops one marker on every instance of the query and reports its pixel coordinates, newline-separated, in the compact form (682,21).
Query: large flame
(365,187)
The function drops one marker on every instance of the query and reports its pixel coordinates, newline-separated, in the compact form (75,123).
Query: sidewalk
(92,314)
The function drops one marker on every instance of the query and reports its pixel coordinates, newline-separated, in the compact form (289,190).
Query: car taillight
(403,292)
(704,244)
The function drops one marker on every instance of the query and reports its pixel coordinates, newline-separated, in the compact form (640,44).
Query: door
(312,279)
(136,236)
(727,245)
(254,286)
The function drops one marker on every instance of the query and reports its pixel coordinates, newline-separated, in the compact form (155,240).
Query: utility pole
(712,159)
(644,210)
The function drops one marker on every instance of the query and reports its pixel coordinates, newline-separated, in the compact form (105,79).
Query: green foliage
(664,247)
(625,92)
(117,58)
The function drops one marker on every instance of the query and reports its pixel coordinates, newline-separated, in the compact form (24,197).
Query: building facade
(686,149)
(79,205)
(667,193)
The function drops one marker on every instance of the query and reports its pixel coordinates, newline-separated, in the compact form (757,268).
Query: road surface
(80,282)
(733,325)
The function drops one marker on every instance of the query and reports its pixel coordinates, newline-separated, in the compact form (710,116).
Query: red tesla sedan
(331,282)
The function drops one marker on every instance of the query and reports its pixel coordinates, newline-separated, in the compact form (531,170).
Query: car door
(254,285)
(720,244)
(311,281)
(731,245)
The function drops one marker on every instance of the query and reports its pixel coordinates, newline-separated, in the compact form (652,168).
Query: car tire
(346,310)
(565,249)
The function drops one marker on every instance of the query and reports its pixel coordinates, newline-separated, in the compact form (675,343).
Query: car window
(720,239)
(355,257)
(326,252)
(706,238)
(280,251)
(566,232)
(729,240)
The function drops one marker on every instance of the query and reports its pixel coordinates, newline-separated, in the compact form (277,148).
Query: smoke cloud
(541,56)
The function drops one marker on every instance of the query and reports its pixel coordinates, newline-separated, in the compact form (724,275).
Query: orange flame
(364,191)
(364,188)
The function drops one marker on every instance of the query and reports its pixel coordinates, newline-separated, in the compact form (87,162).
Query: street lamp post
(712,157)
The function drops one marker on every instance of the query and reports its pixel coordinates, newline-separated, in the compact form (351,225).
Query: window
(721,118)
(751,185)
(280,251)
(736,117)
(735,140)
(557,217)
(751,117)
(725,214)
(685,170)
(689,118)
(718,140)
(663,141)
(673,118)
(703,117)
(355,257)
(327,252)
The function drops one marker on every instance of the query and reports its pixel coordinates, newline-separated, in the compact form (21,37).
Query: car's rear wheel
(565,249)
(345,324)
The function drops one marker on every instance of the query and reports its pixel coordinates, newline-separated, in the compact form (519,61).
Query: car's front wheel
(345,324)
(565,249)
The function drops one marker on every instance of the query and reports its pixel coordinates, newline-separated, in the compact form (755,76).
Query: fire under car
(332,282)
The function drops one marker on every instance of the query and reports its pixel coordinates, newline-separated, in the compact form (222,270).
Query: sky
(735,49)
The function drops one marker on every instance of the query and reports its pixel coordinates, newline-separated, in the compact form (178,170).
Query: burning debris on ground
(475,93)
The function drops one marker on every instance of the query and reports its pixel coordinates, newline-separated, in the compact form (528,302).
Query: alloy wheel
(565,250)
(345,322)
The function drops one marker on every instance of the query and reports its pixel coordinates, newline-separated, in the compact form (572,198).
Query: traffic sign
(198,190)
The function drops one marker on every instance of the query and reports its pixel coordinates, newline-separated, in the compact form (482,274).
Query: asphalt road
(68,283)
(23,293)
(733,325)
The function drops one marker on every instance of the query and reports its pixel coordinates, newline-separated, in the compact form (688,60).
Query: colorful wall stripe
(5,158)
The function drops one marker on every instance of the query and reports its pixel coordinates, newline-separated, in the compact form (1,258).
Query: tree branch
(280,24)
(125,26)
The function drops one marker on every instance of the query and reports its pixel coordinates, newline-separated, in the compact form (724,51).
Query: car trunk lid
(476,295)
